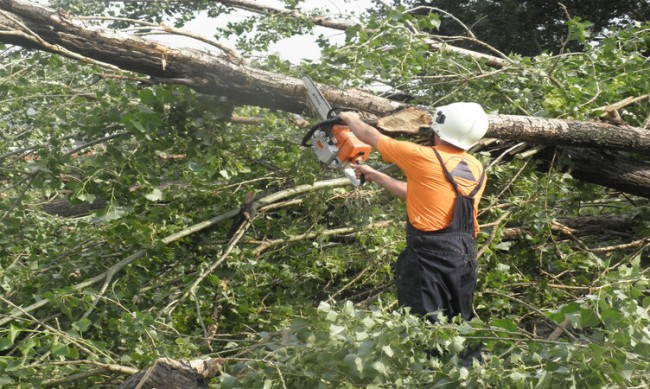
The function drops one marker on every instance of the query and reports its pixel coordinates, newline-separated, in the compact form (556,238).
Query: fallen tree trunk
(33,26)
(584,226)
(606,168)
(551,132)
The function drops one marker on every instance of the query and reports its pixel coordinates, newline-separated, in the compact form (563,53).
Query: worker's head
(460,124)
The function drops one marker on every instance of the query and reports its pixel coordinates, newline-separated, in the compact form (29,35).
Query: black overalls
(437,270)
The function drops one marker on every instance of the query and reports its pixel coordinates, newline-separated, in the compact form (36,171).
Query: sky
(294,49)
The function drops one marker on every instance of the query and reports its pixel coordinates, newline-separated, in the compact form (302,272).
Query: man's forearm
(366,133)
(395,187)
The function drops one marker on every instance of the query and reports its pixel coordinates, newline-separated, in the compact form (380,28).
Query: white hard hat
(461,124)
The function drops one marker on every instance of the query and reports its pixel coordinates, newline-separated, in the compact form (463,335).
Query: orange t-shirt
(429,196)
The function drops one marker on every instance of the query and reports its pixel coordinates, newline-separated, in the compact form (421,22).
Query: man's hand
(396,187)
(349,116)
(365,170)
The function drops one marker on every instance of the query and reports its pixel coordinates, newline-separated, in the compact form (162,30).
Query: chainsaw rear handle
(325,123)
(352,175)
(362,178)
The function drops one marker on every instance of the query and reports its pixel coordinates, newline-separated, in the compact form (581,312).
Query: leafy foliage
(527,28)
(304,298)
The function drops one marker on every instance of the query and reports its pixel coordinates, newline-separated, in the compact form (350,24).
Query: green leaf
(505,324)
(13,333)
(59,349)
(388,351)
(147,97)
(349,361)
(588,318)
(336,330)
(5,342)
(82,325)
(380,367)
(137,125)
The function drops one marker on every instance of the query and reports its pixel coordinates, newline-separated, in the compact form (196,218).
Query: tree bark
(171,374)
(64,208)
(551,132)
(33,26)
(603,166)
(611,170)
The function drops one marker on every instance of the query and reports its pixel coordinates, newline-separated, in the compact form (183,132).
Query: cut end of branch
(410,120)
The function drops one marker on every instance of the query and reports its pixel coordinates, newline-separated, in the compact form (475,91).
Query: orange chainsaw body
(351,149)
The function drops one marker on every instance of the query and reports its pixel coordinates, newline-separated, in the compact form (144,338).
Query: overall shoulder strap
(479,185)
(450,178)
(444,169)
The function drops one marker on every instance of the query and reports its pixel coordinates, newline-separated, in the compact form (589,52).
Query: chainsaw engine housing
(339,146)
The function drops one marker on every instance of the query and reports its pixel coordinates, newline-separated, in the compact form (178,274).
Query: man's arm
(370,135)
(366,133)
(395,187)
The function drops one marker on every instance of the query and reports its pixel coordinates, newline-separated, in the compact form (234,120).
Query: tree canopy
(530,28)
(157,207)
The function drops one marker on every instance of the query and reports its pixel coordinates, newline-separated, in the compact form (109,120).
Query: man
(437,270)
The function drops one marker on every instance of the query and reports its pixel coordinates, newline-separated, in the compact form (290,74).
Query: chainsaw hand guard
(327,123)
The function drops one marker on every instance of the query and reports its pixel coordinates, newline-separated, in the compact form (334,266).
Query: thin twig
(352,282)
(467,29)
(508,151)
(493,234)
(98,141)
(106,366)
(31,148)
(337,231)
(73,377)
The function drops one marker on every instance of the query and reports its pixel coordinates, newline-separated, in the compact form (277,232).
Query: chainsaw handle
(327,122)
(362,177)
(351,175)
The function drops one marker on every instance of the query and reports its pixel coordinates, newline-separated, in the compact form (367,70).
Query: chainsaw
(330,139)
